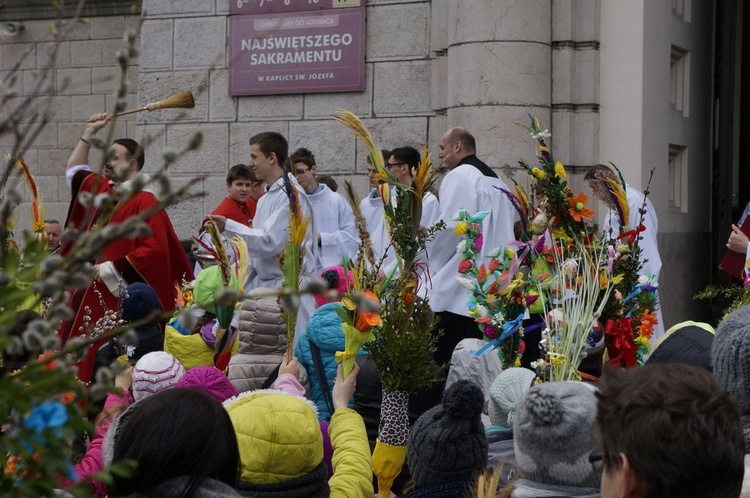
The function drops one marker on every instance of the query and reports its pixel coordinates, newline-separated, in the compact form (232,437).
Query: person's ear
(272,158)
(630,483)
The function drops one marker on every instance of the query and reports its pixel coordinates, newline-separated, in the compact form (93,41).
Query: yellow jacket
(279,440)
(352,465)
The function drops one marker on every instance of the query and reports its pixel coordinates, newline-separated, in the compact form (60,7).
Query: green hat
(207,284)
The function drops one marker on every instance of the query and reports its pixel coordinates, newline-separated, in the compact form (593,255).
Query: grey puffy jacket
(262,344)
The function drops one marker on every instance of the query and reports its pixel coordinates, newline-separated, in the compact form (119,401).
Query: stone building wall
(81,82)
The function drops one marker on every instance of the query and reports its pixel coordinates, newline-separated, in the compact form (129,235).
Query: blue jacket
(324,330)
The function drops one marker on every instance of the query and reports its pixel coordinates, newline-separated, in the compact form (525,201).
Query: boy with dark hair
(668,430)
(338,239)
(244,190)
(268,236)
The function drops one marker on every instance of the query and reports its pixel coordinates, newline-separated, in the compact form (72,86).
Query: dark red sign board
(302,52)
(249,7)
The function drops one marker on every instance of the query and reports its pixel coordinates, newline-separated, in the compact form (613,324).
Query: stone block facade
(429,65)
(77,81)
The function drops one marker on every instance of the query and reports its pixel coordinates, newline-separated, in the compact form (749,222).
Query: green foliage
(404,346)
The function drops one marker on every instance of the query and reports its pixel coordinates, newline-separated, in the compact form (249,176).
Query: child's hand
(124,379)
(291,367)
(343,389)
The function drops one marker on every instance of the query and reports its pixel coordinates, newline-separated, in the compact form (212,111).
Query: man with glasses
(334,221)
(400,164)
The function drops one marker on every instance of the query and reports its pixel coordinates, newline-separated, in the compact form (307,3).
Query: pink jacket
(93,461)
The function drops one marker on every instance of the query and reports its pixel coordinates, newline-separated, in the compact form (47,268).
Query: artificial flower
(366,319)
(578,209)
(494,264)
(478,242)
(347,303)
(538,173)
(461,228)
(464,266)
(646,328)
(560,170)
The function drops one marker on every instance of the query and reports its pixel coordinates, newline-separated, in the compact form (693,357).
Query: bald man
(472,185)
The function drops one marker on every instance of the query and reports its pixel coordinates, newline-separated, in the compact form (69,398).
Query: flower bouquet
(404,343)
(498,299)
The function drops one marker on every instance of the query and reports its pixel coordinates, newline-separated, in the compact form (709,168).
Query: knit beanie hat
(505,393)
(211,380)
(553,434)
(337,279)
(690,345)
(730,351)
(140,301)
(447,443)
(155,372)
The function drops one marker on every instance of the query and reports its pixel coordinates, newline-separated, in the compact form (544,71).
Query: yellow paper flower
(347,303)
(461,228)
(560,170)
(538,173)
(39,226)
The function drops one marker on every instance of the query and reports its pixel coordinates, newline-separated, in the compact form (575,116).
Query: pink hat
(337,279)
(155,372)
(211,380)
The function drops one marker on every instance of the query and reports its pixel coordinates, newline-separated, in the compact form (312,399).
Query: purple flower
(478,242)
(490,332)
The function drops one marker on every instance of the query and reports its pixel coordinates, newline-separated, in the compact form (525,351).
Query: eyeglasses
(301,171)
(391,165)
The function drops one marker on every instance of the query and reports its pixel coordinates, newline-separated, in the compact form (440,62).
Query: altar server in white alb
(401,163)
(334,221)
(611,228)
(472,185)
(267,240)
(371,206)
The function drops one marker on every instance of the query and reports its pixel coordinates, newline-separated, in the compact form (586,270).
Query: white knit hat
(155,372)
(506,391)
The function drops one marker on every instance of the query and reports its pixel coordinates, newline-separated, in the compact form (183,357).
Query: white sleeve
(345,241)
(452,198)
(70,172)
(268,240)
(430,210)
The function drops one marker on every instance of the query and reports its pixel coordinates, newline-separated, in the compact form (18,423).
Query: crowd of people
(273,425)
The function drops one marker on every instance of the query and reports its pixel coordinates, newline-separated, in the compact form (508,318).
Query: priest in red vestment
(244,190)
(156,259)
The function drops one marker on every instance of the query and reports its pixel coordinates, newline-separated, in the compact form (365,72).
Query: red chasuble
(158,260)
(233,210)
(81,217)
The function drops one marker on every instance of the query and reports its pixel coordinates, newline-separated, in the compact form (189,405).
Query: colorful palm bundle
(292,258)
(628,321)
(567,213)
(360,315)
(576,296)
(498,299)
(404,344)
(233,277)
(361,133)
(37,206)
(365,247)
(611,189)
(521,203)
